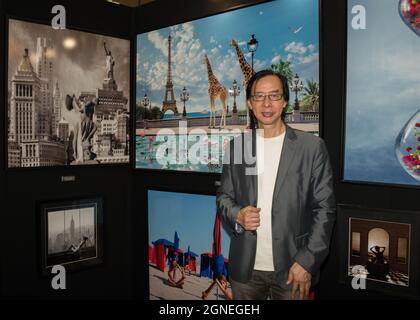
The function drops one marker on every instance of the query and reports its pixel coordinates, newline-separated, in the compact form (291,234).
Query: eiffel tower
(169,103)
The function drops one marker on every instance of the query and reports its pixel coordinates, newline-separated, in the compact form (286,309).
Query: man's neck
(274,130)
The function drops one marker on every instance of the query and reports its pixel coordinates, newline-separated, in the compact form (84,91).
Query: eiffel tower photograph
(195,74)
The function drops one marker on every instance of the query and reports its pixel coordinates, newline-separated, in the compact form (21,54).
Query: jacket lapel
(286,158)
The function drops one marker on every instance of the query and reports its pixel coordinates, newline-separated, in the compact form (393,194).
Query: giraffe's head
(233,43)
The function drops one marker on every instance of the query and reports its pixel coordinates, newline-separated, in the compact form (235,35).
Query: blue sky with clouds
(383,92)
(272,23)
(191,215)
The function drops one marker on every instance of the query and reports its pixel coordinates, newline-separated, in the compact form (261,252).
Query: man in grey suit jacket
(281,217)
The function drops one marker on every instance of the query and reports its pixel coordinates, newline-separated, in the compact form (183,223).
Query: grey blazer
(303,208)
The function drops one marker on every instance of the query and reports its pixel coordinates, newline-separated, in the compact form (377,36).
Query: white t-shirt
(269,157)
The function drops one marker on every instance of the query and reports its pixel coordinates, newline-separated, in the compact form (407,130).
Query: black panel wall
(19,228)
(334,16)
(2,185)
(124,188)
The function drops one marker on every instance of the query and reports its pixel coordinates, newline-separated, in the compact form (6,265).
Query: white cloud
(261,13)
(214,51)
(311,47)
(159,42)
(309,59)
(212,39)
(276,59)
(157,75)
(138,64)
(260,65)
(297,48)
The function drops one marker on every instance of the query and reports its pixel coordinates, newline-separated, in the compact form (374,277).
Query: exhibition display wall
(88,112)
(65,166)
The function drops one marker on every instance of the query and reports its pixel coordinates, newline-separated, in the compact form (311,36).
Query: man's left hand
(300,280)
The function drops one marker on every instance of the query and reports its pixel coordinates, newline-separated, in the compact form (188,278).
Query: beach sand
(192,288)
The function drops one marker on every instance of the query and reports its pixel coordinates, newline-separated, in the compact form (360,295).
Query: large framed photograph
(71,234)
(382,112)
(68,97)
(188,248)
(380,249)
(191,80)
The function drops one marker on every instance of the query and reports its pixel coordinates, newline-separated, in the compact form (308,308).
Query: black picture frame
(122,156)
(397,274)
(76,247)
(201,10)
(157,286)
(348,70)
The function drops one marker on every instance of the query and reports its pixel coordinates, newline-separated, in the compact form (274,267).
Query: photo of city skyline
(68,97)
(71,232)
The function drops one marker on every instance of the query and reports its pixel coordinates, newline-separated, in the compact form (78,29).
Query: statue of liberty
(110,62)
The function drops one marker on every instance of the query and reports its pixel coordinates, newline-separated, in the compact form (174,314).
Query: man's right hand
(249,218)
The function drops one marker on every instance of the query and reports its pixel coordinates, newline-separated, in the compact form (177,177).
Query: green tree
(156,113)
(140,112)
(283,67)
(143,113)
(310,101)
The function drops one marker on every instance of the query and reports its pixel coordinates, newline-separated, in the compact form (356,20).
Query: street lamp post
(252,47)
(145,102)
(234,92)
(185,96)
(297,86)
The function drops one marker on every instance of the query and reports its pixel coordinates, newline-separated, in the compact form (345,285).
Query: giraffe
(245,68)
(216,90)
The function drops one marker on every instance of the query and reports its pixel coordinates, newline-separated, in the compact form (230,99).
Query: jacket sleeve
(225,196)
(322,206)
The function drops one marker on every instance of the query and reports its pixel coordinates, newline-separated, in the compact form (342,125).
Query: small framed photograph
(71,234)
(188,247)
(379,252)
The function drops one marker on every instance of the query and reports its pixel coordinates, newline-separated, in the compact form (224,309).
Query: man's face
(267,101)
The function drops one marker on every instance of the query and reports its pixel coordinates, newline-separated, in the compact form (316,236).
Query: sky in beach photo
(383,92)
(285,29)
(190,215)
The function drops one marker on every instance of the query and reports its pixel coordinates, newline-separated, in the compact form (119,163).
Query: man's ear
(249,105)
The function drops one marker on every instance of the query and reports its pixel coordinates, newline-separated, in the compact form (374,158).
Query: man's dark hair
(251,83)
